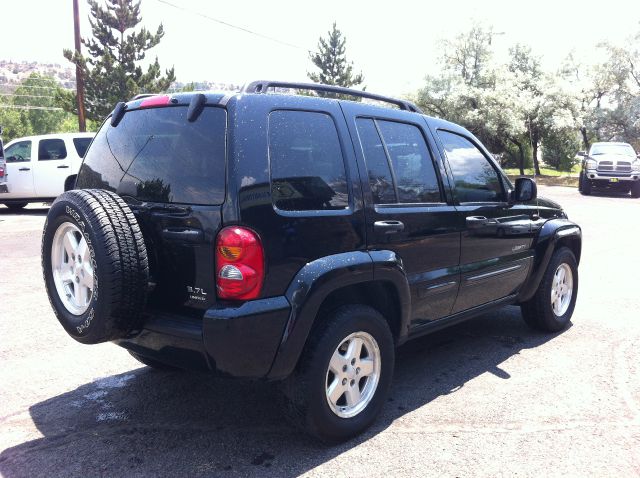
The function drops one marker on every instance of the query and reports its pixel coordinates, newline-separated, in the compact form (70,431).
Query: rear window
(81,145)
(51,149)
(157,155)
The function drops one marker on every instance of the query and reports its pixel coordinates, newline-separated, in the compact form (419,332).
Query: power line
(230,25)
(26,96)
(13,107)
(20,85)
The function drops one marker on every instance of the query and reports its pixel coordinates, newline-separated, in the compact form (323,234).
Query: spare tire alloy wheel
(72,265)
(353,374)
(95,265)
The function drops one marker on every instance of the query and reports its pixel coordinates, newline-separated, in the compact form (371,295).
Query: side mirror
(582,153)
(526,190)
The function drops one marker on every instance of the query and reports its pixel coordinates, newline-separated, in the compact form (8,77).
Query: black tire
(118,257)
(16,206)
(586,186)
(305,390)
(580,183)
(149,362)
(538,312)
(635,189)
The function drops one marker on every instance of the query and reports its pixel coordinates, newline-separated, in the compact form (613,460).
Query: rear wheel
(551,308)
(16,206)
(344,375)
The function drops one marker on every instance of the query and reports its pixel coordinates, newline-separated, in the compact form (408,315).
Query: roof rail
(261,86)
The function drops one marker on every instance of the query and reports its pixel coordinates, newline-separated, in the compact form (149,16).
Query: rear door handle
(24,169)
(63,167)
(183,234)
(476,221)
(388,227)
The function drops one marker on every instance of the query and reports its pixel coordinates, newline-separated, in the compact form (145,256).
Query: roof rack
(261,86)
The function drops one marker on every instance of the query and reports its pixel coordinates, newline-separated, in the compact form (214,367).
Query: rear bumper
(237,341)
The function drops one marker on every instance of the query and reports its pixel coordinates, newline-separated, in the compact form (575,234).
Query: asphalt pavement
(485,398)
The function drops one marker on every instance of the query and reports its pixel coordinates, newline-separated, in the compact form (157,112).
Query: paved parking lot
(485,398)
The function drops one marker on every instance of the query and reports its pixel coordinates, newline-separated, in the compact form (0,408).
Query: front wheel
(585,189)
(344,375)
(551,308)
(635,189)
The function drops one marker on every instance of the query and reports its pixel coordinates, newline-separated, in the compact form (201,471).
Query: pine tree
(332,62)
(111,69)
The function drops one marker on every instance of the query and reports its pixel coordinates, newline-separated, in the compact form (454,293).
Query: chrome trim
(493,273)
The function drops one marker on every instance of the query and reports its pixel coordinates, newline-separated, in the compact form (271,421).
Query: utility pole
(82,123)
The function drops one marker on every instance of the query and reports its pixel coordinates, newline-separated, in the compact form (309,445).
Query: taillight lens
(239,264)
(1,172)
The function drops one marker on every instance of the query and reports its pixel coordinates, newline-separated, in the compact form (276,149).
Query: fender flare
(311,286)
(552,233)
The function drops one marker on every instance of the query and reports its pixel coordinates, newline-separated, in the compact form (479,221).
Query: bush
(559,150)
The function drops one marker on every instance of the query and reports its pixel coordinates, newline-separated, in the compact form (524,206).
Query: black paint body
(439,269)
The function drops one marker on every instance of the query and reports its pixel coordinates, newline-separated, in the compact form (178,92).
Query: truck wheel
(586,186)
(95,265)
(343,376)
(155,364)
(635,189)
(16,206)
(551,308)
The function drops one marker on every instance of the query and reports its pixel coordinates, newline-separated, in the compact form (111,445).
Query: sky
(394,43)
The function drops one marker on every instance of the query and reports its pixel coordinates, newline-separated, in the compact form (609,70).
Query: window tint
(380,179)
(51,149)
(414,175)
(475,178)
(18,152)
(307,168)
(81,145)
(165,157)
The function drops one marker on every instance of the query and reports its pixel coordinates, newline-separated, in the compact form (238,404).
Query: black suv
(297,238)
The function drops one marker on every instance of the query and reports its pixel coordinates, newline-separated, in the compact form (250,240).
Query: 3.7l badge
(196,293)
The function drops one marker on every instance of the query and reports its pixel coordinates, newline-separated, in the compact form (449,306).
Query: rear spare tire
(95,265)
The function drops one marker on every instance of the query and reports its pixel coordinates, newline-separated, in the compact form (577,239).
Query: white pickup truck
(40,168)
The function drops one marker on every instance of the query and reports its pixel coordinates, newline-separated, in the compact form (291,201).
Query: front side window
(51,149)
(399,165)
(307,166)
(476,180)
(18,152)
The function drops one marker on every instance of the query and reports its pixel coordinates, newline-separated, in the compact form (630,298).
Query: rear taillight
(239,264)
(1,172)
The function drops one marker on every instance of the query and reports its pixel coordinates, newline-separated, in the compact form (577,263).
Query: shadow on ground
(170,423)
(34,210)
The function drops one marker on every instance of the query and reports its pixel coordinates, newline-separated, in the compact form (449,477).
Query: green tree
(332,63)
(112,70)
(32,109)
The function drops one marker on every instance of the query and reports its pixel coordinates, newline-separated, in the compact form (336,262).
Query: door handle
(388,227)
(63,167)
(476,221)
(183,234)
(24,169)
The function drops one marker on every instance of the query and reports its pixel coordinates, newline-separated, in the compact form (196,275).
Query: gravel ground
(485,398)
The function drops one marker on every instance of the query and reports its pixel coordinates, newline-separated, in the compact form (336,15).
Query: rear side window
(307,167)
(157,155)
(399,165)
(476,180)
(51,149)
(81,145)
